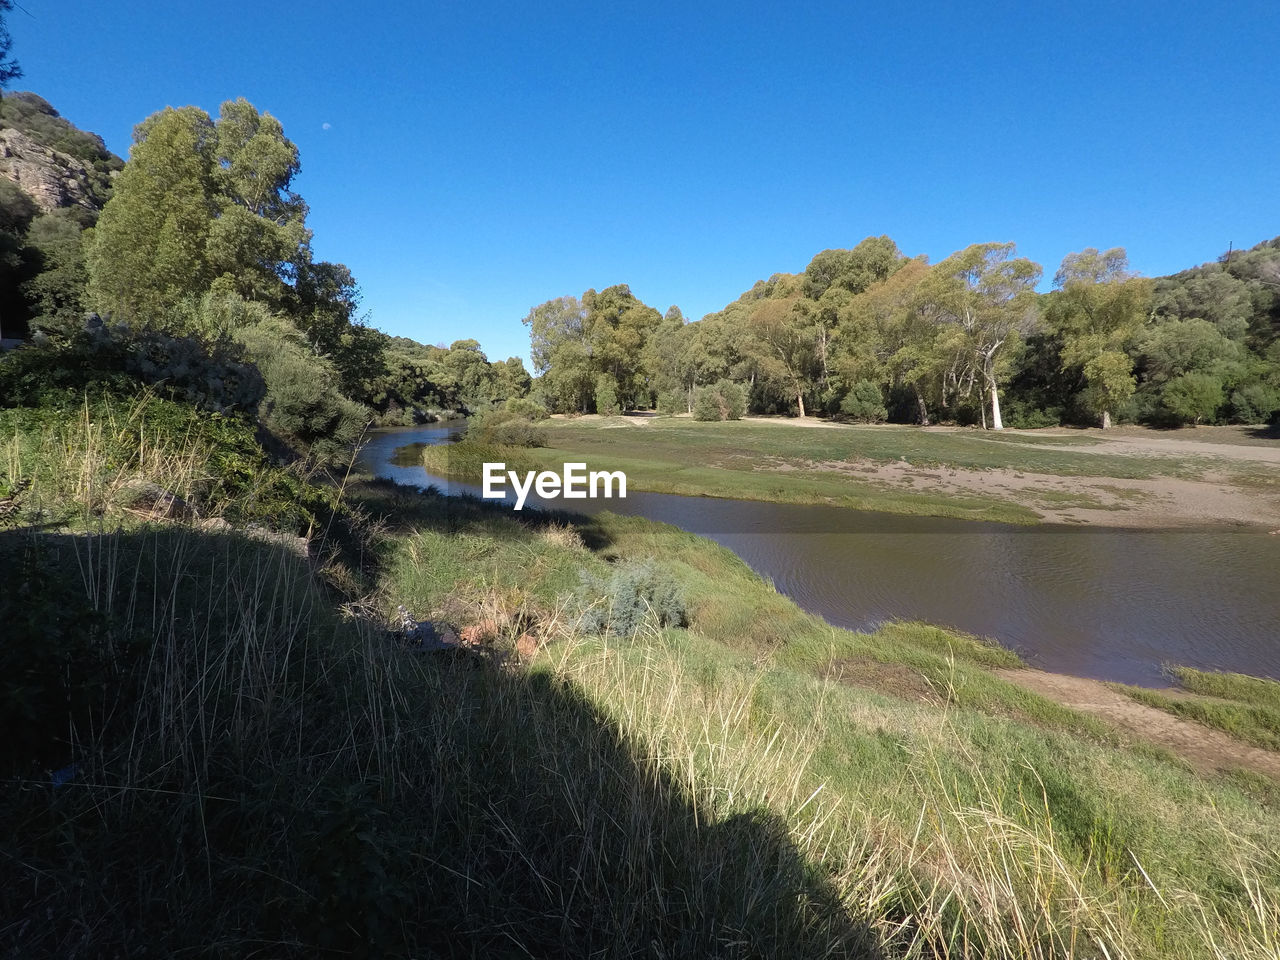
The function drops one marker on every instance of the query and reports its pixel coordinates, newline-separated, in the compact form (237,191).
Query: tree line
(201,237)
(872,334)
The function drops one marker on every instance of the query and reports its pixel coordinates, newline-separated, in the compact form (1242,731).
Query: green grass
(784,463)
(681,441)
(1246,707)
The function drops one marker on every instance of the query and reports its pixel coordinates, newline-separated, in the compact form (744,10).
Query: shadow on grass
(247,775)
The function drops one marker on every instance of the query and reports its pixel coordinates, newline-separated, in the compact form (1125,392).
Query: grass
(1246,707)
(250,763)
(782,462)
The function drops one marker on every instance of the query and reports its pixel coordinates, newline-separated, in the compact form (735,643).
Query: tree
(1097,308)
(511,379)
(785,344)
(551,325)
(259,240)
(207,206)
(149,248)
(9,67)
(987,293)
(56,292)
(607,396)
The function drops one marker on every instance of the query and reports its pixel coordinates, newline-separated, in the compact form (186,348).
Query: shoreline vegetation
(1137,479)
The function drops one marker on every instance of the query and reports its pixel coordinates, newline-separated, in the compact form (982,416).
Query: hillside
(51,160)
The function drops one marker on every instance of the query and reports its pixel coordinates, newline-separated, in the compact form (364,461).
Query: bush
(607,396)
(303,402)
(505,428)
(723,400)
(864,403)
(1192,397)
(524,407)
(634,595)
(1255,403)
(113,359)
(1022,415)
(671,402)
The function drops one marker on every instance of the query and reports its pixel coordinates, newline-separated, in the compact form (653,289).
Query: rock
(214,525)
(424,637)
(51,178)
(299,545)
(153,502)
(527,646)
(479,633)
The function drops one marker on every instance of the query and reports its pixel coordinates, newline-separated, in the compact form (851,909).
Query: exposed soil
(894,678)
(1105,501)
(1206,749)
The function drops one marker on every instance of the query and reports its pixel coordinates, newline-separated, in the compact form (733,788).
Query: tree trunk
(996,422)
(800,402)
(924,411)
(1106,419)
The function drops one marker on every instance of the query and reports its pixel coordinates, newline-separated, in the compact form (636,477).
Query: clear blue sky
(470,160)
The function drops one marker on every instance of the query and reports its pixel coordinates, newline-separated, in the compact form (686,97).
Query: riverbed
(1110,604)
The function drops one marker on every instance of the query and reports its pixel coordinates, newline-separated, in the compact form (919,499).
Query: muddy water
(1093,602)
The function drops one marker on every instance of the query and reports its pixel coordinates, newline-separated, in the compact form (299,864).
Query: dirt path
(1206,749)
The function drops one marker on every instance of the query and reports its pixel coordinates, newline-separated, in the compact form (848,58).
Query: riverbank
(628,739)
(1141,479)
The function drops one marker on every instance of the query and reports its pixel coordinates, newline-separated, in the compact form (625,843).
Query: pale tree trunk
(924,411)
(800,402)
(996,422)
(1106,419)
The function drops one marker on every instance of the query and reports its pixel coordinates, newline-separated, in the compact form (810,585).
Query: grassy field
(1009,477)
(223,748)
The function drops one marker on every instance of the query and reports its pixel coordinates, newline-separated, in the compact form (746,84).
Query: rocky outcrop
(51,178)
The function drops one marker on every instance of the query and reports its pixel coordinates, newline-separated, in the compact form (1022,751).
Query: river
(1111,604)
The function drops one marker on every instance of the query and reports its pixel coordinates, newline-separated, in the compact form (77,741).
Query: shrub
(1027,416)
(1255,403)
(505,428)
(112,359)
(864,403)
(671,402)
(634,595)
(607,396)
(524,407)
(1192,397)
(303,402)
(723,400)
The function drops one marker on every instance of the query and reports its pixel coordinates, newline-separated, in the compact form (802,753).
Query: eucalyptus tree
(785,343)
(987,293)
(150,247)
(204,205)
(1098,306)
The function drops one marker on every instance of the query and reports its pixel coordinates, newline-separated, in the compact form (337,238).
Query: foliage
(524,407)
(9,67)
(303,401)
(505,427)
(864,403)
(112,358)
(1193,397)
(632,597)
(607,396)
(723,400)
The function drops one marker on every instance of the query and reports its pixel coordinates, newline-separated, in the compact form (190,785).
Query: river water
(1112,604)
